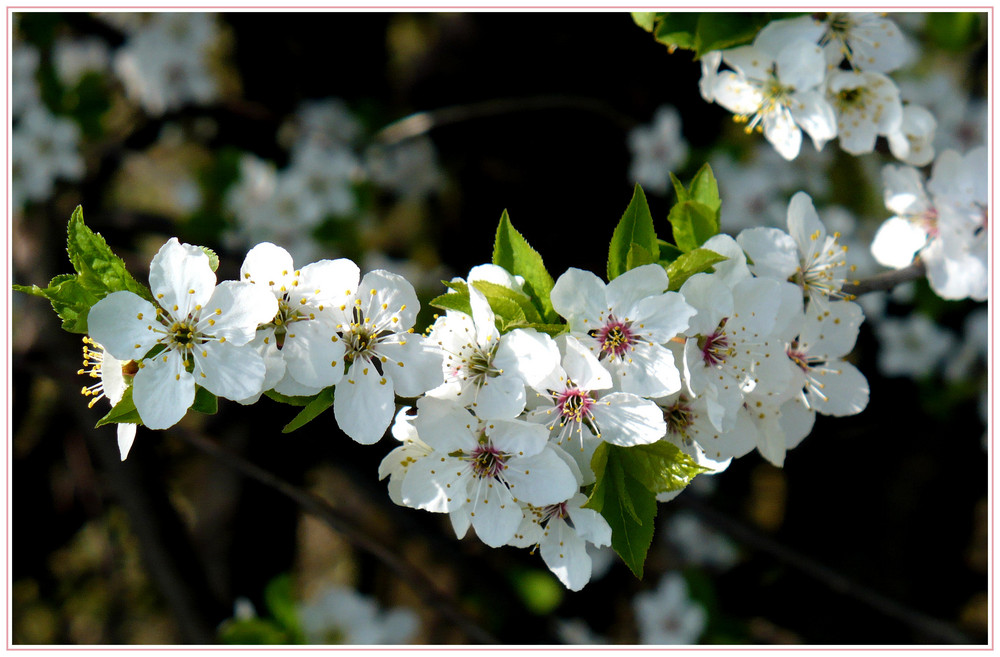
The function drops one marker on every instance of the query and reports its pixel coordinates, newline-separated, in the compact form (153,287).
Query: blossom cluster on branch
(535,411)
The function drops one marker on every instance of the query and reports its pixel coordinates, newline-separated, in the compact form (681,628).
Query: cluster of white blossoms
(504,423)
(945,223)
(825,74)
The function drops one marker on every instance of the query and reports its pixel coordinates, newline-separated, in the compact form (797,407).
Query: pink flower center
(574,405)
(715,348)
(678,417)
(798,357)
(488,461)
(616,338)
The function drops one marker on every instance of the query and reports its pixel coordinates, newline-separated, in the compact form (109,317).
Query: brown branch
(317,506)
(887,280)
(421,123)
(919,622)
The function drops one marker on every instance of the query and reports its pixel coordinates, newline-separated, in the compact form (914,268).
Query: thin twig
(919,622)
(317,506)
(887,280)
(421,123)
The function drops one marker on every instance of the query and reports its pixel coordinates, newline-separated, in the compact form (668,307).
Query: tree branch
(317,506)
(887,280)
(421,123)
(920,623)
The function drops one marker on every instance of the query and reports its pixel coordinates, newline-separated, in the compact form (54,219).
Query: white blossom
(44,149)
(626,323)
(340,615)
(867,105)
(667,615)
(657,149)
(111,384)
(204,331)
(912,346)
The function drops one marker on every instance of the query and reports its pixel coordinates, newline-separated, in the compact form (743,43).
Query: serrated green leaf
(123,412)
(693,224)
(627,505)
(644,19)
(512,252)
(312,410)
(498,295)
(705,189)
(100,270)
(635,226)
(628,479)
(679,189)
(637,257)
(688,264)
(213,257)
(453,301)
(286,399)
(205,402)
(70,300)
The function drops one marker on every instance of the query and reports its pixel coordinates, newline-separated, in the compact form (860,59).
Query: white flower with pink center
(732,349)
(484,468)
(689,429)
(829,384)
(576,407)
(626,323)
(562,532)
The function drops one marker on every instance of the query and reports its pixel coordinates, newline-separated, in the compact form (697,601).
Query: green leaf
(453,301)
(70,300)
(677,30)
(721,30)
(550,329)
(123,412)
(691,263)
(644,19)
(954,31)
(286,399)
(280,601)
(693,224)
(679,189)
(637,257)
(100,270)
(628,479)
(627,505)
(509,305)
(213,257)
(312,410)
(635,226)
(512,252)
(539,590)
(668,252)
(205,402)
(705,189)
(661,467)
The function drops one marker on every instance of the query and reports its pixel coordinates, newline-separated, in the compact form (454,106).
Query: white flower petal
(421,368)
(780,129)
(126,436)
(628,420)
(540,479)
(772,251)
(800,65)
(582,367)
(314,353)
(500,398)
(565,553)
(266,265)
(579,295)
(483,318)
(518,437)
(444,425)
(496,516)
(736,94)
(364,403)
(896,242)
(627,290)
(660,318)
(652,372)
(230,371)
(530,355)
(326,281)
(181,278)
(162,391)
(435,486)
(237,310)
(796,422)
(845,389)
(394,297)
(122,323)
